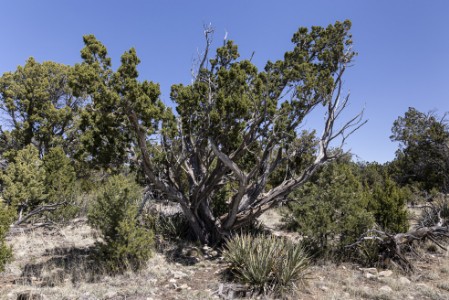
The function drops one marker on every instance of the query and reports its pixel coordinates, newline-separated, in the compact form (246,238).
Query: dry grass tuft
(55,264)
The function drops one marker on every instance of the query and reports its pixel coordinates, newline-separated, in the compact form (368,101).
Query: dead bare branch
(39,210)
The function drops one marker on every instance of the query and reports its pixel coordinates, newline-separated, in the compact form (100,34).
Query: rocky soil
(55,264)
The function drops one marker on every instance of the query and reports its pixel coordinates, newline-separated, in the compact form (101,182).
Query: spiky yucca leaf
(267,263)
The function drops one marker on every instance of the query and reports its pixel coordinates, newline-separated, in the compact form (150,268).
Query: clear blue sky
(403,45)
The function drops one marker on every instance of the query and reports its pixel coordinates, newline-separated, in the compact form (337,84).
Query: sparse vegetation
(436,212)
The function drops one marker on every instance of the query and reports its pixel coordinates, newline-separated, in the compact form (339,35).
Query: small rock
(172,280)
(386,273)
(404,280)
(110,295)
(385,289)
(179,274)
(191,252)
(369,270)
(370,276)
(323,288)
(183,287)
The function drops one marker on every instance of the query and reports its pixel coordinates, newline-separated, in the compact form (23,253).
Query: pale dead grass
(55,264)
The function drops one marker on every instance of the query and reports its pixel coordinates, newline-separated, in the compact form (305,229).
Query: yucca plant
(266,263)
(292,266)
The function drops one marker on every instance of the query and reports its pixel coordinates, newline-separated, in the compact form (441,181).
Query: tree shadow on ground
(60,265)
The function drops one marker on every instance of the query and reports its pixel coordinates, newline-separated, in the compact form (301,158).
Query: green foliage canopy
(423,156)
(236,125)
(40,106)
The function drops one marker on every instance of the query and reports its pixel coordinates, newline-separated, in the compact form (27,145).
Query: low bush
(6,217)
(23,181)
(387,202)
(126,245)
(30,183)
(268,263)
(330,212)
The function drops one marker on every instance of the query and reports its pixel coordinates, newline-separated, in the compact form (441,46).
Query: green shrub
(388,202)
(60,184)
(267,263)
(23,181)
(114,211)
(330,212)
(59,175)
(5,221)
(30,182)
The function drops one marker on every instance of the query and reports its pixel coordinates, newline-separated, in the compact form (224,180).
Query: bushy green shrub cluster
(387,200)
(388,204)
(330,211)
(5,250)
(126,245)
(23,181)
(343,201)
(29,182)
(267,263)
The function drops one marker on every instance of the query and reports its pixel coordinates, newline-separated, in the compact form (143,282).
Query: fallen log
(392,248)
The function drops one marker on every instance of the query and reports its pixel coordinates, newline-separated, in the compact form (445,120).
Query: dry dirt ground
(54,264)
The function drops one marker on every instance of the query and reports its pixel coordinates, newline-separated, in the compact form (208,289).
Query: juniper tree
(235,125)
(39,106)
(423,155)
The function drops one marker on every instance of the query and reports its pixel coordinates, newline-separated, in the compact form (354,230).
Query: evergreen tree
(236,125)
(423,156)
(39,105)
(388,203)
